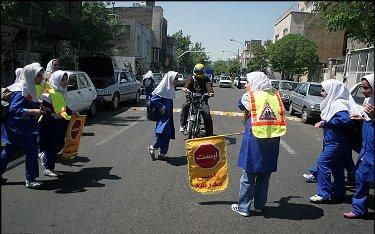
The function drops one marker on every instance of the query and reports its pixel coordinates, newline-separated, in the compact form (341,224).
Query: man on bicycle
(198,83)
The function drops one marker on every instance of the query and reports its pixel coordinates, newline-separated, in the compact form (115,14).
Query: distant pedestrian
(335,109)
(53,66)
(148,84)
(365,164)
(260,145)
(162,99)
(20,127)
(54,123)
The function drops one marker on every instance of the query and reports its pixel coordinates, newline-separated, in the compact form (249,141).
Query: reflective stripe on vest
(267,114)
(58,103)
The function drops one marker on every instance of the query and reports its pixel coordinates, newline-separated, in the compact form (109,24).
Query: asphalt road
(112,186)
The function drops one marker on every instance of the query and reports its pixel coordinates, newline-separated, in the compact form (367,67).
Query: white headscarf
(148,75)
(50,68)
(337,99)
(166,89)
(258,81)
(369,100)
(55,81)
(18,73)
(26,82)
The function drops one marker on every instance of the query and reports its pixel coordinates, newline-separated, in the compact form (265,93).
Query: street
(113,186)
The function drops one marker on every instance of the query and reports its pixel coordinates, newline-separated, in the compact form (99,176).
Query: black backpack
(153,113)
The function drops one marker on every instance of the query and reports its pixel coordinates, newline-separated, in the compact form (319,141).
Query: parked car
(82,94)
(117,88)
(242,81)
(306,99)
(285,87)
(216,79)
(225,81)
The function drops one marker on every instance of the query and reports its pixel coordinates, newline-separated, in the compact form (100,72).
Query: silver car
(285,87)
(306,99)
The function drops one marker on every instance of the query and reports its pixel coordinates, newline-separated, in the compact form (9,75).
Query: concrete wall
(294,22)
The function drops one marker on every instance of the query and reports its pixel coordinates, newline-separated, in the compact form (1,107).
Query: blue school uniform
(20,129)
(365,171)
(258,159)
(336,147)
(164,129)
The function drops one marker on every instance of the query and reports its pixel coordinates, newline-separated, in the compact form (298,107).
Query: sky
(214,23)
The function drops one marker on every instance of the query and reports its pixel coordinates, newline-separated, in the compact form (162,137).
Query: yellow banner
(73,136)
(208,168)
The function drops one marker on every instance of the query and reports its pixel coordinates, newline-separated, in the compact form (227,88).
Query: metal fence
(359,63)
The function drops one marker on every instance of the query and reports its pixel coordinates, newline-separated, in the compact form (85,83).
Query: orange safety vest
(267,114)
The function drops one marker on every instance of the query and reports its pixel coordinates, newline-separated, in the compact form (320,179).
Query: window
(123,77)
(82,81)
(370,63)
(126,32)
(138,44)
(130,77)
(303,89)
(285,31)
(315,90)
(362,61)
(275,84)
(72,83)
(277,37)
(354,62)
(358,95)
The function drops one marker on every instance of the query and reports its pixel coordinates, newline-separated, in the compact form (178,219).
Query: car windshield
(288,85)
(315,90)
(102,82)
(158,77)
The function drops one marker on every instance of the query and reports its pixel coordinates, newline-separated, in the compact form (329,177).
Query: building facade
(38,39)
(152,17)
(247,53)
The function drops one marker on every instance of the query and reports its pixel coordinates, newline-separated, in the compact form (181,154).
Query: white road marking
(119,132)
(287,147)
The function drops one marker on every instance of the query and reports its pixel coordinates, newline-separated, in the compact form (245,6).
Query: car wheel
(115,101)
(92,110)
(291,111)
(305,115)
(137,98)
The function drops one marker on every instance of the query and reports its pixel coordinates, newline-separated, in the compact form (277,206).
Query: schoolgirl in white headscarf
(166,87)
(337,99)
(256,81)
(50,66)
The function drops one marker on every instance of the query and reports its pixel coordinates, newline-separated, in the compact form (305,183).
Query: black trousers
(207,119)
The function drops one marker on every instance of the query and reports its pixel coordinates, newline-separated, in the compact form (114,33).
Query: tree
(99,31)
(259,61)
(220,67)
(233,66)
(354,17)
(199,57)
(293,54)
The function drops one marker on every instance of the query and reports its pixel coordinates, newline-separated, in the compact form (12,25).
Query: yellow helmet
(198,70)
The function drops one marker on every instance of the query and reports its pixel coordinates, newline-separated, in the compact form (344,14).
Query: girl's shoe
(318,199)
(309,178)
(351,215)
(33,184)
(162,156)
(151,150)
(235,209)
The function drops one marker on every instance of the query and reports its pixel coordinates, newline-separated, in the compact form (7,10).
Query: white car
(242,81)
(82,94)
(357,95)
(225,81)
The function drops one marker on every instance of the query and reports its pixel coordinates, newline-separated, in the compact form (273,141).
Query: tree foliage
(99,31)
(354,17)
(293,54)
(259,61)
(220,67)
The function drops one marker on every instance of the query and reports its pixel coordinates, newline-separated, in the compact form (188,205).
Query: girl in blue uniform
(336,146)
(365,164)
(20,128)
(54,124)
(162,99)
(258,157)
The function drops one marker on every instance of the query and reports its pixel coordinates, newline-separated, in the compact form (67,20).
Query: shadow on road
(75,182)
(177,161)
(292,211)
(232,140)
(209,203)
(71,162)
